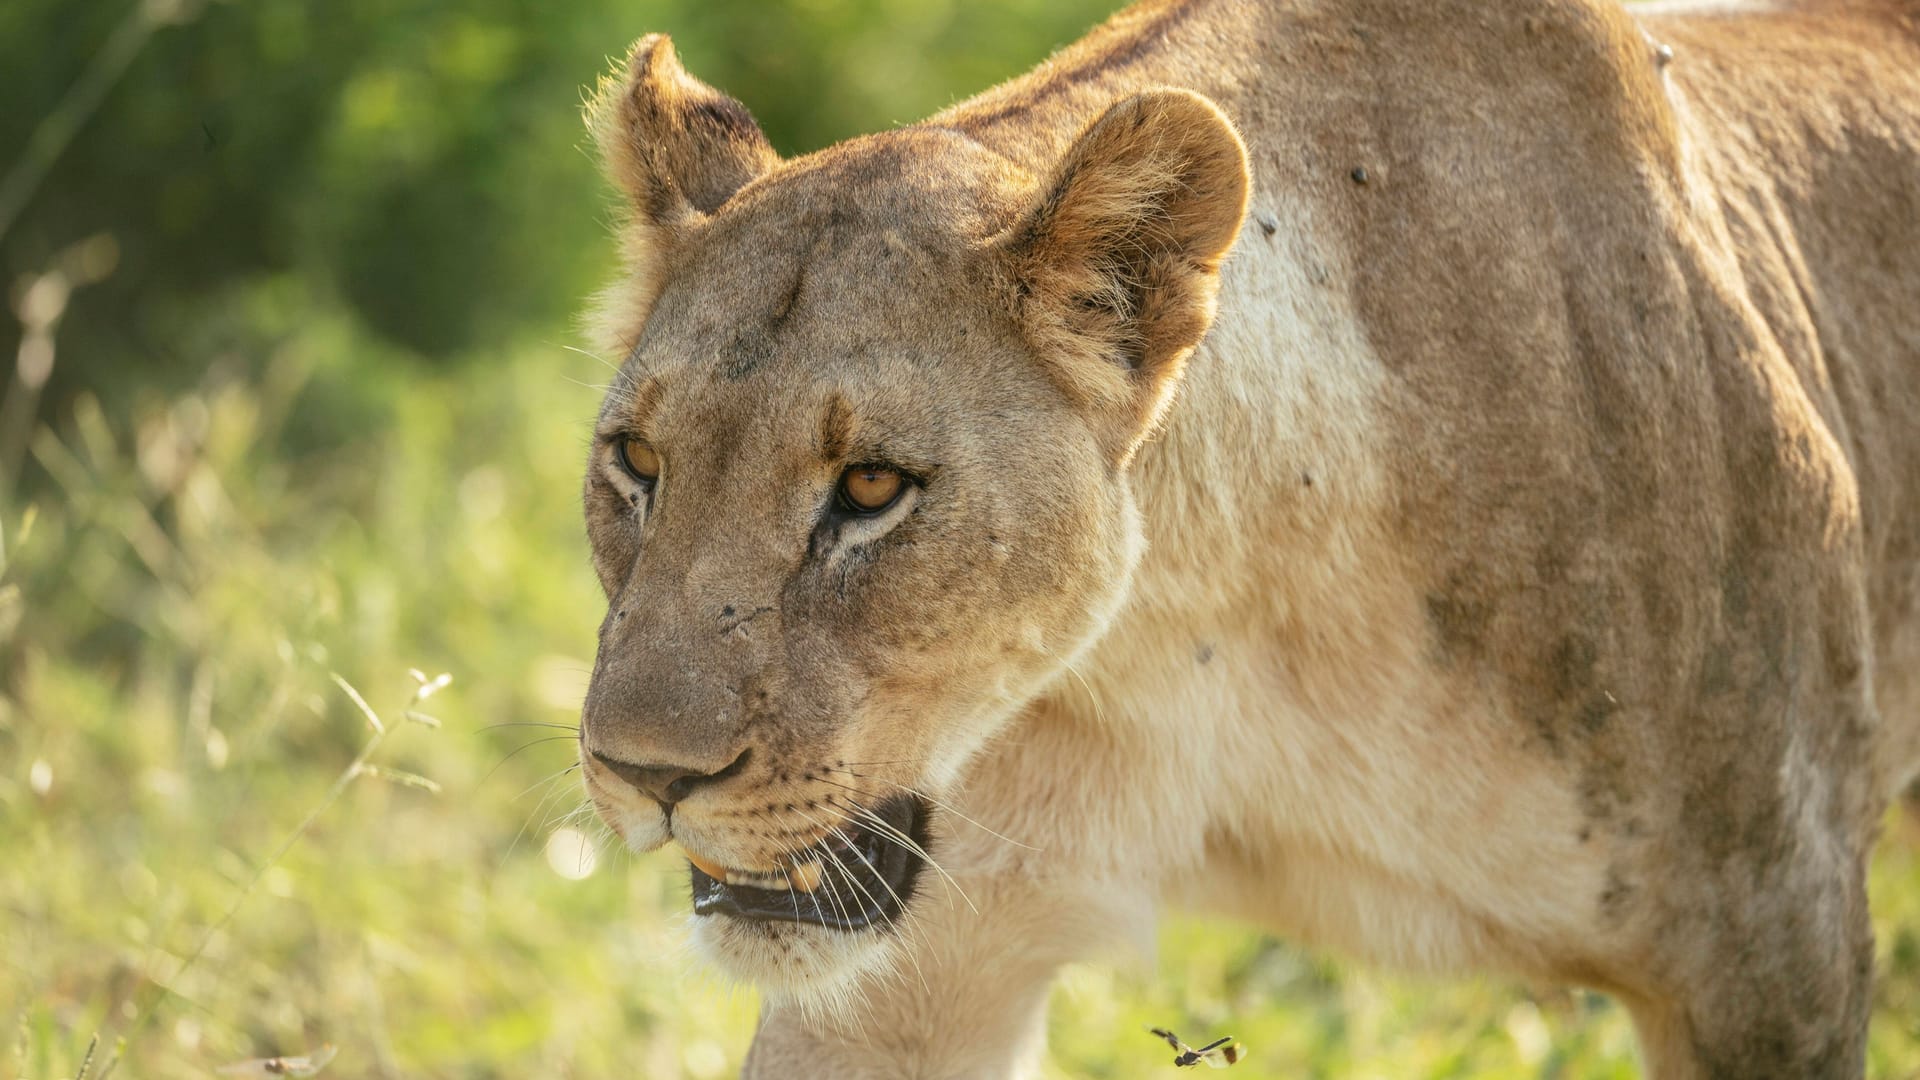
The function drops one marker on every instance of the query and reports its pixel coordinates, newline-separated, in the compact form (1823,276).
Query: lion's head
(861,486)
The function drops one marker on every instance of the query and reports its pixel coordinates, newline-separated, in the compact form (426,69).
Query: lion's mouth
(860,875)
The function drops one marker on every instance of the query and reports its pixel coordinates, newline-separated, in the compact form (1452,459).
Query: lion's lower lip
(868,876)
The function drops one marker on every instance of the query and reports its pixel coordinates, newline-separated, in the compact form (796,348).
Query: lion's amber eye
(639,460)
(870,490)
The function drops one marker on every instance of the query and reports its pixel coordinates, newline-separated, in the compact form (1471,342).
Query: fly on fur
(1218,1054)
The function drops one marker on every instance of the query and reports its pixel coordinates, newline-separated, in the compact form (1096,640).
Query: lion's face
(868,534)
(850,499)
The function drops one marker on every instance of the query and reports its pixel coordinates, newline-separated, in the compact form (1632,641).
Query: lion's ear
(676,146)
(678,149)
(1115,268)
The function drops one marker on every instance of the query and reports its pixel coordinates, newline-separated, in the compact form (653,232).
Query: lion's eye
(639,460)
(869,490)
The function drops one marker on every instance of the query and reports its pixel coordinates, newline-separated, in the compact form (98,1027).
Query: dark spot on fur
(1306,479)
(1595,712)
(749,349)
(1269,224)
(1735,812)
(1615,895)
(1570,670)
(1459,620)
(1603,790)
(1203,654)
(1359,174)
(1572,682)
(1548,732)
(727,612)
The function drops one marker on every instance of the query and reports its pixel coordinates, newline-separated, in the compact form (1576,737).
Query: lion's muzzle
(861,874)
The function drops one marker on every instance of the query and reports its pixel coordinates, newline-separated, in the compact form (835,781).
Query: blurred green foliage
(421,161)
(313,411)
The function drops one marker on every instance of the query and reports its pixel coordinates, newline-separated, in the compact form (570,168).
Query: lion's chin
(819,970)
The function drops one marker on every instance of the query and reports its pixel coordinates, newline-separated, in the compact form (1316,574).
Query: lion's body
(1532,551)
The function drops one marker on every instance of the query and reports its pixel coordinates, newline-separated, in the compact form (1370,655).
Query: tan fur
(1523,574)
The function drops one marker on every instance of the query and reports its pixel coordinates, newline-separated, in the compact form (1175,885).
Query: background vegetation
(289,392)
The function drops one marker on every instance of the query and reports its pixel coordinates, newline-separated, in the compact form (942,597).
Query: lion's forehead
(842,304)
(856,273)
(776,368)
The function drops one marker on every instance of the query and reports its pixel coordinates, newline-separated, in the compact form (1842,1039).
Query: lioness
(1439,478)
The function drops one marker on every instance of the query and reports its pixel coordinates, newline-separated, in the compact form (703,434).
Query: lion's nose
(667,784)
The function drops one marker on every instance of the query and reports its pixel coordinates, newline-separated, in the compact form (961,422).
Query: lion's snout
(658,736)
(666,716)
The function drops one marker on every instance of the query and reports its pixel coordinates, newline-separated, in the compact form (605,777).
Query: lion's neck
(1031,119)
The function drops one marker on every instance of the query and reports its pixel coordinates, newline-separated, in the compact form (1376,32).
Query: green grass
(193,575)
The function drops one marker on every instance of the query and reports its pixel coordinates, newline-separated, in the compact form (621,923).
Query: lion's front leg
(966,995)
(985,1040)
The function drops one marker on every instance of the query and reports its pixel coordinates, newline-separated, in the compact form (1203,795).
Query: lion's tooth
(757,881)
(712,870)
(806,878)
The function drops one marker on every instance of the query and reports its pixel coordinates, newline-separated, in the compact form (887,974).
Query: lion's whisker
(788,853)
(605,388)
(916,792)
(550,778)
(847,872)
(886,831)
(541,807)
(595,357)
(516,751)
(1099,714)
(909,931)
(833,897)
